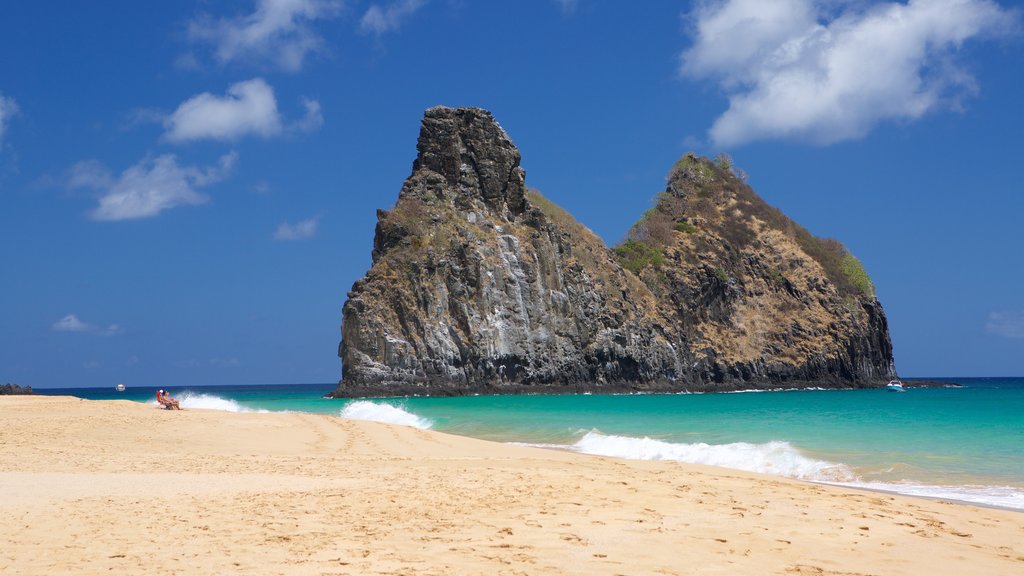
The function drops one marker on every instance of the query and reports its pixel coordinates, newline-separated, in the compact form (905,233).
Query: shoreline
(447,389)
(568,448)
(923,497)
(984,492)
(95,485)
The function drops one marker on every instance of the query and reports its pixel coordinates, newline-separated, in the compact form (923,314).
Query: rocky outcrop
(13,389)
(480,285)
(757,297)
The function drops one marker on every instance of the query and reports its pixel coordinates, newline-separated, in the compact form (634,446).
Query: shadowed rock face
(481,286)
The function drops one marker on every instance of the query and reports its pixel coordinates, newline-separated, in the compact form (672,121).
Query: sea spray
(777,458)
(189,399)
(382,412)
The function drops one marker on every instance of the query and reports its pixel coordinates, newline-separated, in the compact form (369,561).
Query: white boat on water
(119,387)
(895,386)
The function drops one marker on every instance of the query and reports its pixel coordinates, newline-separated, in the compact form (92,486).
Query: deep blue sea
(957,443)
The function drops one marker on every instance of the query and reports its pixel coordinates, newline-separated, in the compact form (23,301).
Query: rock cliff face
(757,298)
(479,285)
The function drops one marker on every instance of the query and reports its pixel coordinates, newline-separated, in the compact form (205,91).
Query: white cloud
(313,119)
(380,20)
(299,231)
(109,330)
(278,32)
(71,323)
(1007,324)
(249,108)
(793,69)
(8,108)
(149,187)
(90,174)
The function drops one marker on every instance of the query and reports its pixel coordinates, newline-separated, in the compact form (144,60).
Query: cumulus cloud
(149,187)
(71,323)
(278,32)
(248,108)
(301,230)
(8,108)
(1006,324)
(826,71)
(380,20)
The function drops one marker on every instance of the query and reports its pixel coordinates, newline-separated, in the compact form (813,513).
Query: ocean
(963,444)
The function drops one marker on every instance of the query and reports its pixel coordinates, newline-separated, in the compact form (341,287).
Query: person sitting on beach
(166,401)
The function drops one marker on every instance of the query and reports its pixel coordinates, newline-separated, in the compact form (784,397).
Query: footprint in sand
(574,539)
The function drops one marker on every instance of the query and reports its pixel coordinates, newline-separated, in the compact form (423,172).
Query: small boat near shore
(895,386)
(119,387)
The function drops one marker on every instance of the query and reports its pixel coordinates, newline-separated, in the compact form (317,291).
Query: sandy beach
(90,487)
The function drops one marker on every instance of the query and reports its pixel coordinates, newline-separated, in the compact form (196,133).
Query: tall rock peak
(474,154)
(480,285)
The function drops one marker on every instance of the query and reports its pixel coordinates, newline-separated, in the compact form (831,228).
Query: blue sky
(188,189)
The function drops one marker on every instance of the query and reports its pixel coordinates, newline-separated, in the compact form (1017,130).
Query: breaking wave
(778,458)
(374,412)
(188,399)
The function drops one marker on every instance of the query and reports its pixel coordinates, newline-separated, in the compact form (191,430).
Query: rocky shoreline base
(448,389)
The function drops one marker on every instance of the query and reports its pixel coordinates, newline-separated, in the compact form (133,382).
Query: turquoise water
(962,443)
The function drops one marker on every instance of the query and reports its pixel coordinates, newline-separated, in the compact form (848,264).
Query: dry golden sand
(118,487)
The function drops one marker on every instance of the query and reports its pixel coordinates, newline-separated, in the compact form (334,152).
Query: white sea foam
(778,458)
(382,412)
(1003,496)
(188,399)
(781,459)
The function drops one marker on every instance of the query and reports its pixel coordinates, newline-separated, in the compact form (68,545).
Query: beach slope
(91,487)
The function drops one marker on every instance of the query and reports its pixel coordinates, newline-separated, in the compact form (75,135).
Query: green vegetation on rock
(842,268)
(693,167)
(636,256)
(856,275)
(716,192)
(553,211)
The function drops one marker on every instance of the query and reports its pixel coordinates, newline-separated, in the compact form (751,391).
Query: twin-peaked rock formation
(479,285)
